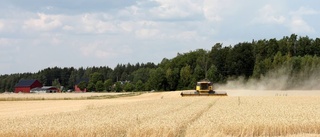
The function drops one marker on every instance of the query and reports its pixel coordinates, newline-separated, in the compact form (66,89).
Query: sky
(37,34)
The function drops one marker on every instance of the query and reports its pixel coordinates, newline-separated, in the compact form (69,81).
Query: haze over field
(279,79)
(105,33)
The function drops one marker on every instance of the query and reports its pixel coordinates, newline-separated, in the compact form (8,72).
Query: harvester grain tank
(204,88)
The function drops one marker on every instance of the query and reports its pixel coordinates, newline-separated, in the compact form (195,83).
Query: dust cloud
(280,82)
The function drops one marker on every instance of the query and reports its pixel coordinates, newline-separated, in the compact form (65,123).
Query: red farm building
(77,89)
(25,86)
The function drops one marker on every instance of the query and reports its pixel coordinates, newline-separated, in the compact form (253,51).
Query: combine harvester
(204,88)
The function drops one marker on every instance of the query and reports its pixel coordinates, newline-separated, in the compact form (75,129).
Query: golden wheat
(260,116)
(163,114)
(54,96)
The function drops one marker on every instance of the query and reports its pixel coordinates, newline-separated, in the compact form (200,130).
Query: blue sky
(36,34)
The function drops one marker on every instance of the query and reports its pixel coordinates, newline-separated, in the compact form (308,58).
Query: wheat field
(164,114)
(54,96)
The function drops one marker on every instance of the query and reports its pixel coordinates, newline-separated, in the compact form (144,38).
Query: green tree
(141,74)
(56,83)
(91,86)
(139,86)
(272,48)
(118,87)
(72,79)
(172,77)
(218,57)
(82,85)
(99,86)
(128,87)
(278,60)
(157,79)
(296,64)
(199,73)
(95,77)
(148,86)
(315,47)
(262,67)
(213,75)
(185,77)
(108,84)
(240,60)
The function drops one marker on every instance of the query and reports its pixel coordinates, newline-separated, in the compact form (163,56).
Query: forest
(298,55)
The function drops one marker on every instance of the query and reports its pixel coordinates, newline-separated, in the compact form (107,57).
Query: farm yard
(276,113)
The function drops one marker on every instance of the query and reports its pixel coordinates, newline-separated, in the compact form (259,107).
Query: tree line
(298,55)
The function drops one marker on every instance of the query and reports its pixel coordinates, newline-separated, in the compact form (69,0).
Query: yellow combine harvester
(204,88)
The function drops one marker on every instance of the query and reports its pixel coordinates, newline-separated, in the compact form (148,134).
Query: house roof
(25,83)
(44,88)
(83,79)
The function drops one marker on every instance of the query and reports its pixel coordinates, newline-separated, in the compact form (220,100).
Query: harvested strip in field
(175,123)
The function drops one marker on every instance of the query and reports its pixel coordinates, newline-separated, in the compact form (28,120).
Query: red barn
(77,89)
(25,86)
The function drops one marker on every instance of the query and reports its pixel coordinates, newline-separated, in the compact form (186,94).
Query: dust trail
(280,79)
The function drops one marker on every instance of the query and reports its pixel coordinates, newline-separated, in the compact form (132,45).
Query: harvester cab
(204,88)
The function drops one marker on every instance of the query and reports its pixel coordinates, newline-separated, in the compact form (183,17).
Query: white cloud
(1,25)
(133,11)
(91,23)
(4,42)
(218,10)
(8,48)
(182,31)
(298,25)
(127,26)
(304,11)
(269,15)
(88,50)
(186,35)
(8,26)
(147,33)
(212,10)
(176,9)
(103,54)
(147,29)
(43,22)
(8,43)
(99,50)
(96,23)
(68,28)
(291,19)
